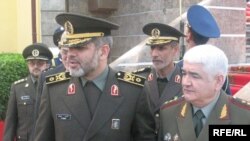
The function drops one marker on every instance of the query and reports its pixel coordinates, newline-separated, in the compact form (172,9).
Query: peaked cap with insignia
(80,29)
(161,33)
(37,51)
(202,22)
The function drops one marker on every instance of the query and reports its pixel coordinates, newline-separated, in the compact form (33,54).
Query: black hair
(198,39)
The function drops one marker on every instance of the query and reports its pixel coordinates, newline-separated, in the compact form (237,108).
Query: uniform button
(24,103)
(19,137)
(156,132)
(157,115)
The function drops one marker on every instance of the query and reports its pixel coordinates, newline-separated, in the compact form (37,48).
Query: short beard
(77,73)
(85,69)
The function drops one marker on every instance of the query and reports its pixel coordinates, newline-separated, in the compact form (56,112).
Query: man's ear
(189,36)
(104,51)
(48,65)
(219,81)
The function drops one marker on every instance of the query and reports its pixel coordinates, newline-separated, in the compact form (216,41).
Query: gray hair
(214,59)
(103,40)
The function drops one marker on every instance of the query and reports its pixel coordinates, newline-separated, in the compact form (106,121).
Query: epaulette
(240,103)
(172,102)
(59,77)
(50,68)
(20,81)
(131,78)
(142,70)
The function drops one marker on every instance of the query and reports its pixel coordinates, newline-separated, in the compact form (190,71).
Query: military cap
(37,51)
(57,35)
(80,28)
(202,22)
(161,33)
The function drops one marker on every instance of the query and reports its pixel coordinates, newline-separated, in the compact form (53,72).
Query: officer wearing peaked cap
(96,103)
(164,78)
(60,66)
(56,38)
(201,26)
(37,51)
(20,112)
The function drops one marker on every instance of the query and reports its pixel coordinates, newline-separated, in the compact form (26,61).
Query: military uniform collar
(207,109)
(33,79)
(169,75)
(98,81)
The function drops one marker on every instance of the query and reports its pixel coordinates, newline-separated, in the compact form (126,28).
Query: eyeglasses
(36,62)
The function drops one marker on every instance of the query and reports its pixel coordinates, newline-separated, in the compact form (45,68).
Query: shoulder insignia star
(131,78)
(59,77)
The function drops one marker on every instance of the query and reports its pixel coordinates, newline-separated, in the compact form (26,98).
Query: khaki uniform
(19,118)
(176,118)
(122,113)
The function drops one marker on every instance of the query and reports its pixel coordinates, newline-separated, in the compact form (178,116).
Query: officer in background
(20,112)
(200,28)
(59,68)
(204,103)
(164,77)
(95,103)
(56,38)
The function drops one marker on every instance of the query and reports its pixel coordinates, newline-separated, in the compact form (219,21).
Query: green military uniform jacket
(122,113)
(172,90)
(176,118)
(19,117)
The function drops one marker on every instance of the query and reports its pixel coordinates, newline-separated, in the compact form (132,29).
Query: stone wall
(132,15)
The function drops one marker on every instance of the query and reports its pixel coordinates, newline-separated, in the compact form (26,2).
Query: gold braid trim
(160,40)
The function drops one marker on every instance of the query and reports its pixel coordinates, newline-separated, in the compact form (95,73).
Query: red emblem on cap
(114,90)
(71,89)
(178,79)
(150,77)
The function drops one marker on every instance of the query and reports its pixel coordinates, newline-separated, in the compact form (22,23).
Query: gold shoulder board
(172,102)
(244,104)
(131,78)
(142,70)
(59,77)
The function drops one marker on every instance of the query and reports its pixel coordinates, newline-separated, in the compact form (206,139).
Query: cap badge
(155,33)
(68,27)
(35,52)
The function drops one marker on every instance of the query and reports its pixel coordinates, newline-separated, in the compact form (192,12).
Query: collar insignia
(184,110)
(224,112)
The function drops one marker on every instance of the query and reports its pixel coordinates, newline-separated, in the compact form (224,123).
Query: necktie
(197,119)
(92,94)
(161,82)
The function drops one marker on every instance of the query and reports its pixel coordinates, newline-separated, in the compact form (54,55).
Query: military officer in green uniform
(20,112)
(92,102)
(164,77)
(203,102)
